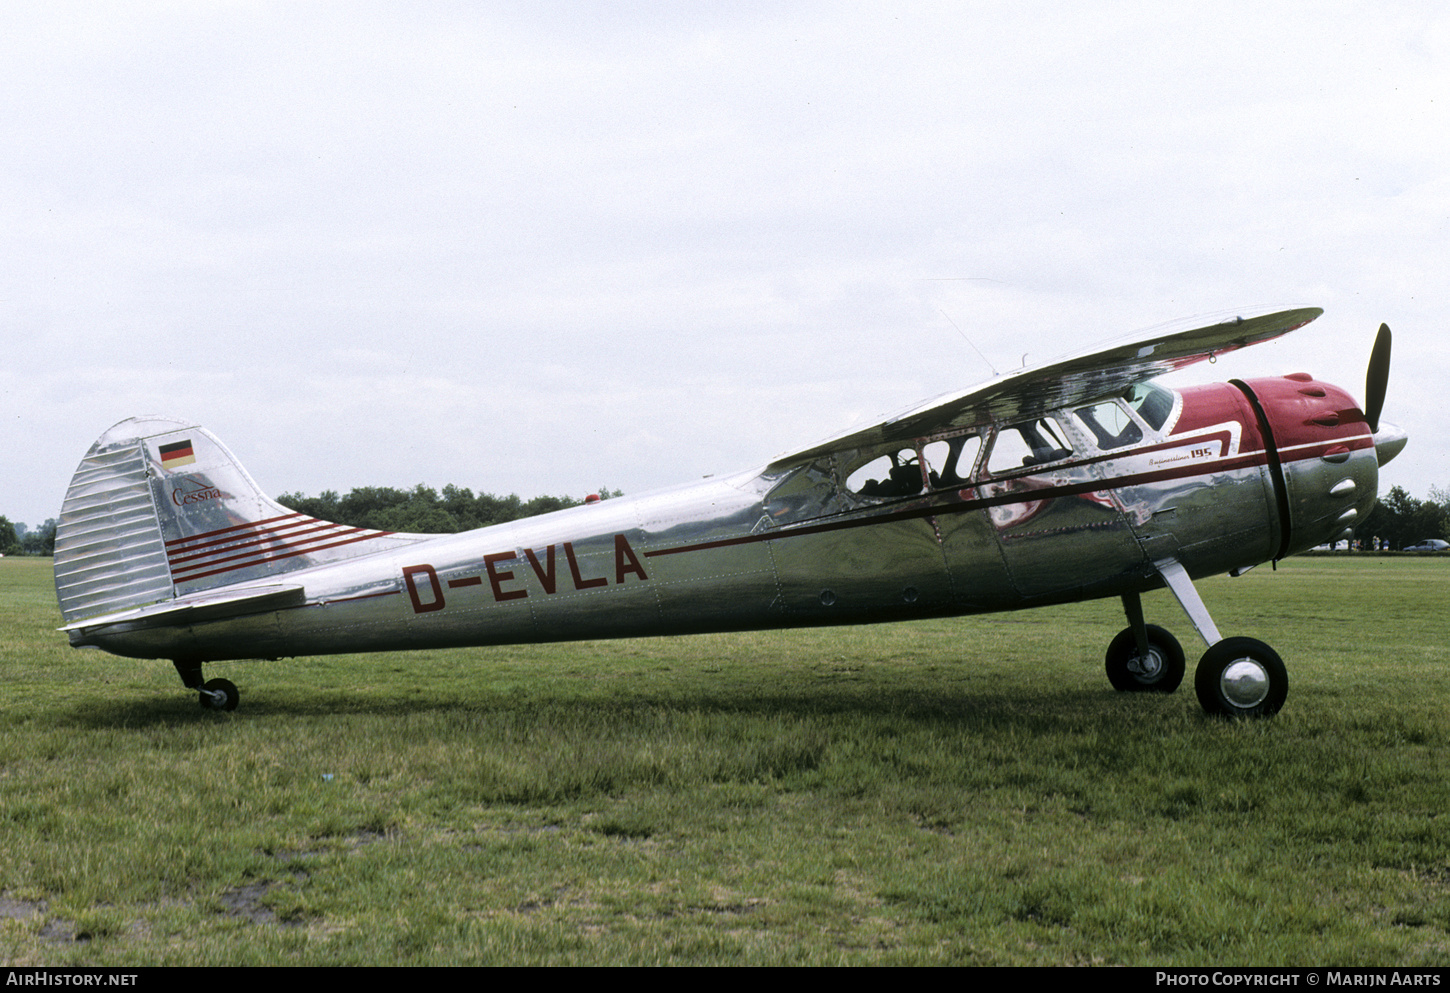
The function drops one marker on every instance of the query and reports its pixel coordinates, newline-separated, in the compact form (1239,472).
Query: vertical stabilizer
(109,554)
(159,508)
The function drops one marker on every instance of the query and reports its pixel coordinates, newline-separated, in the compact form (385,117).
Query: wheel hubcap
(1147,667)
(1245,683)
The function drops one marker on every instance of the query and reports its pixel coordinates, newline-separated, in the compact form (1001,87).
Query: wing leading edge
(1076,379)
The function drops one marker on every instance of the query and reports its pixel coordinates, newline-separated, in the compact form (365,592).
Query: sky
(548,247)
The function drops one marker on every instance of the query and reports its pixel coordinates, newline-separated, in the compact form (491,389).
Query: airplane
(1079,479)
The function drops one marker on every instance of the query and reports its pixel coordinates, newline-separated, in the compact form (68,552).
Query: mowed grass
(965,791)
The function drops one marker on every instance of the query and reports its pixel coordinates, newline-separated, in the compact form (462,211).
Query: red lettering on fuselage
(622,554)
(502,581)
(419,607)
(497,577)
(547,578)
(580,583)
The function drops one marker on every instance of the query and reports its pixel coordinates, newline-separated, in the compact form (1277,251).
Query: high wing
(1076,379)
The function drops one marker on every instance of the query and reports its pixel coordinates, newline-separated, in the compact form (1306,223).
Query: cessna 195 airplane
(1075,480)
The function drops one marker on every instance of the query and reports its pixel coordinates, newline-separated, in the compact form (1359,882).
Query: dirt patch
(12,909)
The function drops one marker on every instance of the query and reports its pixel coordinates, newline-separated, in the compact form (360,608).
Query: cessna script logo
(194,491)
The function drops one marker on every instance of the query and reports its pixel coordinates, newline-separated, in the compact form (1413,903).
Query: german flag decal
(176,454)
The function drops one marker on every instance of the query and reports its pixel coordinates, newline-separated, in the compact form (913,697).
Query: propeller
(1389,440)
(1377,379)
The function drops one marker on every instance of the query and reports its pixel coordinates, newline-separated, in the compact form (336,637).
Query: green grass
(944,792)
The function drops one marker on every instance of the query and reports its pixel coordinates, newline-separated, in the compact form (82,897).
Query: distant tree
(546,505)
(1441,495)
(370,506)
(1432,519)
(41,541)
(1403,520)
(9,542)
(421,510)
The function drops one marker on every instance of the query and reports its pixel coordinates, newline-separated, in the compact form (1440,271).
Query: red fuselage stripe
(281,538)
(235,527)
(265,557)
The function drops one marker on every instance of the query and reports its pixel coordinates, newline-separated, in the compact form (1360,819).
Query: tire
(1241,677)
(208,702)
(1160,672)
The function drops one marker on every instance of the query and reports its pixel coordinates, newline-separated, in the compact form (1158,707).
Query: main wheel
(219,694)
(1241,677)
(1160,671)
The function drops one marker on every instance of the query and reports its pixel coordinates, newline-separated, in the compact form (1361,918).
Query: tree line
(1399,519)
(17,539)
(423,509)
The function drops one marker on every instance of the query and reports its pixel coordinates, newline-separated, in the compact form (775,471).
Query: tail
(159,510)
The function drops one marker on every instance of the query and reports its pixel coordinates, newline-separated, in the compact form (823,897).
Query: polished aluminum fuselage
(1219,486)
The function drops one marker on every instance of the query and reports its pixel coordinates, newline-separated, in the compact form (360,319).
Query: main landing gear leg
(1237,677)
(1143,657)
(214,694)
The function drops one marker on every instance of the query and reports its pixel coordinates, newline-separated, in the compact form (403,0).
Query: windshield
(1151,402)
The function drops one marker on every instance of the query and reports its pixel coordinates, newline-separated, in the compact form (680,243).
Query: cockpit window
(1030,443)
(1110,424)
(1151,402)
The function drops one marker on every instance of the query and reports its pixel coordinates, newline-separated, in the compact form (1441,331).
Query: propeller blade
(1377,379)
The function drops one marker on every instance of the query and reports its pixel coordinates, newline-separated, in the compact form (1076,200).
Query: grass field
(945,792)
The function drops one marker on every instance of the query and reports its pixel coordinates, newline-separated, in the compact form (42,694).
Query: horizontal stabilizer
(208,606)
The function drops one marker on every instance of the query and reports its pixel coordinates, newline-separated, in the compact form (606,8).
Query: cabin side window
(949,462)
(1026,444)
(894,474)
(905,471)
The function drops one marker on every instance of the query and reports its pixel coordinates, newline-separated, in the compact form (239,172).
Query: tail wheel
(219,694)
(1241,677)
(1159,671)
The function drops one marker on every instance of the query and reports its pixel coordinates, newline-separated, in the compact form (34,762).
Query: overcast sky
(546,247)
